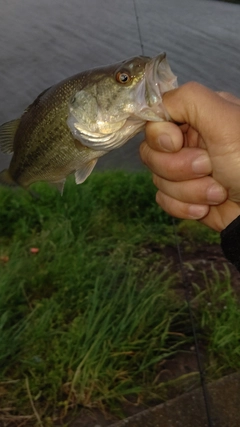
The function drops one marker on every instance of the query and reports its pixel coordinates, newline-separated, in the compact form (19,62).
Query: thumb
(206,111)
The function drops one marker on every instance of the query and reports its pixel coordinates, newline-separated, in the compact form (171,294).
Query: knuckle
(191,86)
(229,97)
(143,151)
(223,94)
(155,179)
(159,200)
(146,154)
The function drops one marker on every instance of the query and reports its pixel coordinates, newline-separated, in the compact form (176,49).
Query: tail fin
(6,179)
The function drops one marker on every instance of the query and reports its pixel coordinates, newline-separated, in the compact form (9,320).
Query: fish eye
(123,77)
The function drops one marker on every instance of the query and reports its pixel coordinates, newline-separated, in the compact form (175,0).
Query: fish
(73,123)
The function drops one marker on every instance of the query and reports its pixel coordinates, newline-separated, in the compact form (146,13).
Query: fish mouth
(158,79)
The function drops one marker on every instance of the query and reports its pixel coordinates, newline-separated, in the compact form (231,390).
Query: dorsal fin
(37,100)
(7,134)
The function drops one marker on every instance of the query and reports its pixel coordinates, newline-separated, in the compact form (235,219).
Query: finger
(197,191)
(164,136)
(188,163)
(179,209)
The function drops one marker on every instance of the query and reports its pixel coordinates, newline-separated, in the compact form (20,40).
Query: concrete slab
(189,410)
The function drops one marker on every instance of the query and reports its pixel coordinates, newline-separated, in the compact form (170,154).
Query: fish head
(114,102)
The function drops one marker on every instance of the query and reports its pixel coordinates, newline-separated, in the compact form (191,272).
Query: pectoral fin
(59,185)
(86,169)
(6,179)
(7,134)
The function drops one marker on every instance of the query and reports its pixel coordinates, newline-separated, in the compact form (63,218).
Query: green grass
(89,318)
(219,320)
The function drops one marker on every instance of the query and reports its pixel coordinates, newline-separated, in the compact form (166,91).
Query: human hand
(196,166)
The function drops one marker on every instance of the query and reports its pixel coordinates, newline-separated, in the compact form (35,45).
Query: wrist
(227,213)
(220,216)
(229,216)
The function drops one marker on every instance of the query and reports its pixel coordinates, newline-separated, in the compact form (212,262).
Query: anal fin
(86,169)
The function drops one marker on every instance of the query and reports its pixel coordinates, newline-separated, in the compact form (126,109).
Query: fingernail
(202,165)
(216,193)
(197,211)
(166,143)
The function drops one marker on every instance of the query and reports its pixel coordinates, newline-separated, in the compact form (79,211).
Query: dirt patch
(201,261)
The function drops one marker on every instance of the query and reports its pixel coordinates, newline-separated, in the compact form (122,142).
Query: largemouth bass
(73,123)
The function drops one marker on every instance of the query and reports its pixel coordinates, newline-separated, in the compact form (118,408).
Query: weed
(89,315)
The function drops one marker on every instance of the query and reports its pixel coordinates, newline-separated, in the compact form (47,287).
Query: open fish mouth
(158,79)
